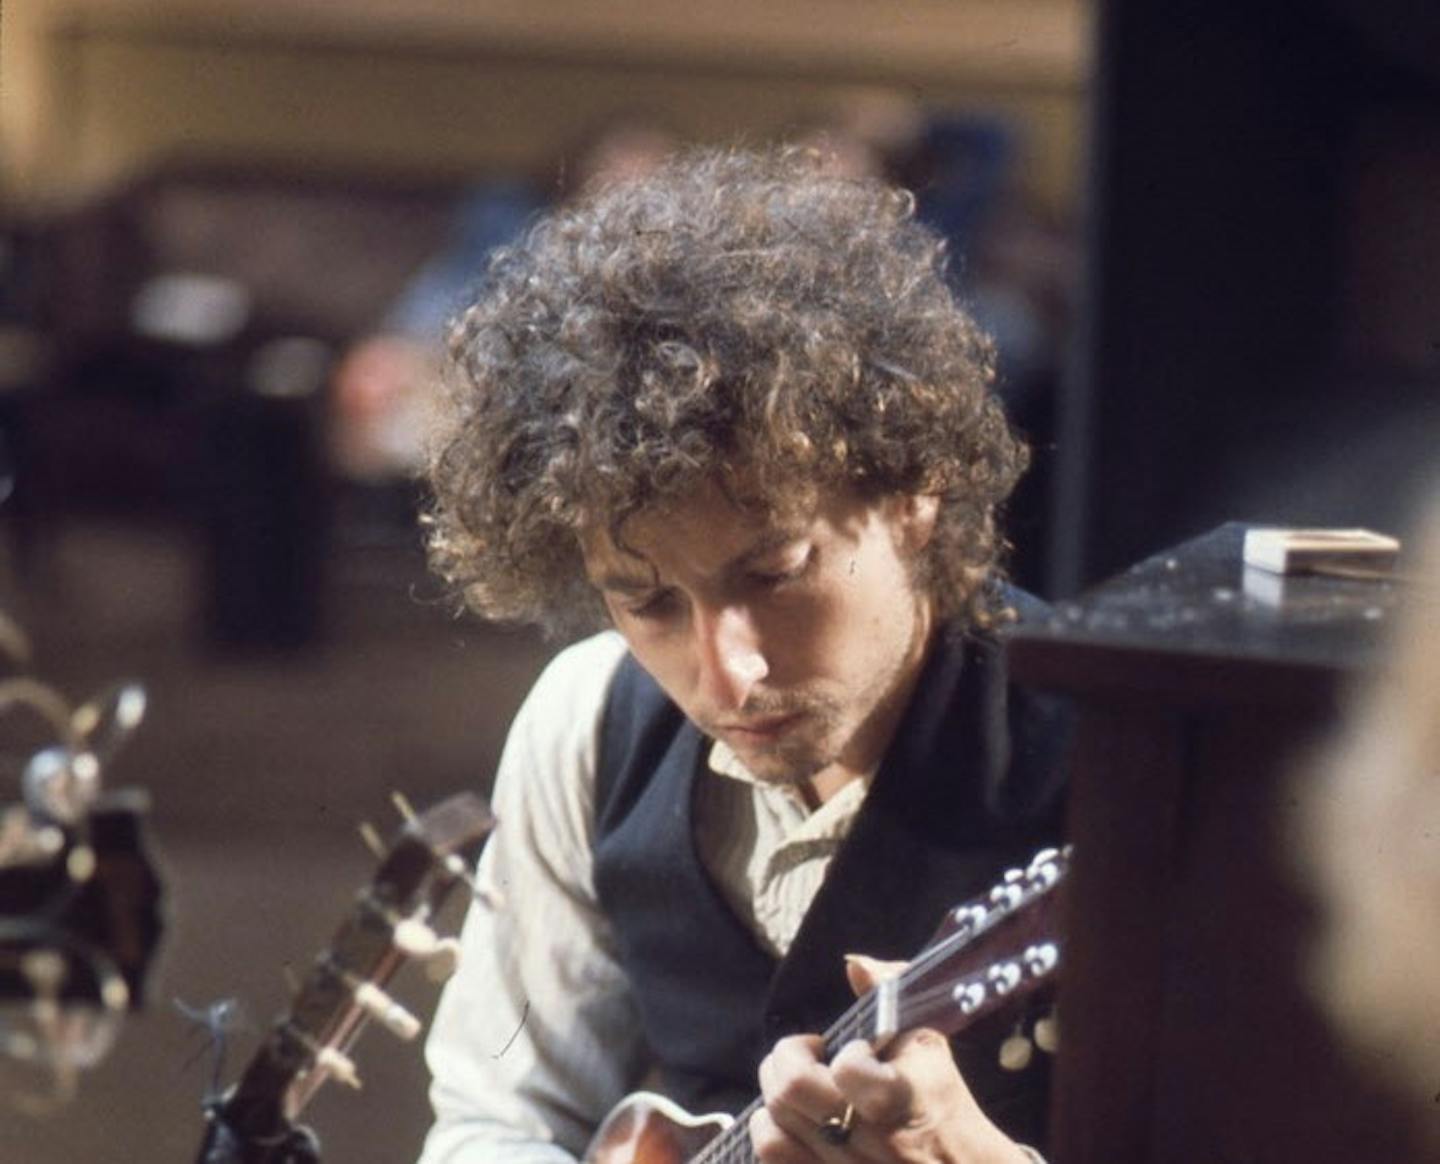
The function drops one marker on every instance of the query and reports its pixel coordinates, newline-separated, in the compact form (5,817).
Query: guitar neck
(989,953)
(343,990)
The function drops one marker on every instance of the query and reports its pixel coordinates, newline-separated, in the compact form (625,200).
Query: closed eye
(655,605)
(779,577)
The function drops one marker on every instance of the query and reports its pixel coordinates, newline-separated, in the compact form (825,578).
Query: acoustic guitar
(344,990)
(987,954)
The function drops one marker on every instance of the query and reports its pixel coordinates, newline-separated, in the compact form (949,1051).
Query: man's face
(796,642)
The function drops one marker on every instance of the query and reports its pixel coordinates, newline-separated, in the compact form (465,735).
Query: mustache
(764,705)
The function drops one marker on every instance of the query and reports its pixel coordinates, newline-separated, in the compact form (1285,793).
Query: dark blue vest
(971,785)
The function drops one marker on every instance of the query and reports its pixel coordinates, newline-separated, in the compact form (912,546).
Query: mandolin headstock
(988,953)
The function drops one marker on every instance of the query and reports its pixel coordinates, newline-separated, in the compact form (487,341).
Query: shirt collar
(841,807)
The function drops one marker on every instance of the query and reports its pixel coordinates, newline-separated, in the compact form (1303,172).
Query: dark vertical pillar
(1207,297)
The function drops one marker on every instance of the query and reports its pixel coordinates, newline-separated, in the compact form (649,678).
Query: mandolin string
(733,1145)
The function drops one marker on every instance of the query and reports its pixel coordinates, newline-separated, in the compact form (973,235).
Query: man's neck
(876,736)
(826,783)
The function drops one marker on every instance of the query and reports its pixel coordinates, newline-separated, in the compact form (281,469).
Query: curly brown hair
(737,316)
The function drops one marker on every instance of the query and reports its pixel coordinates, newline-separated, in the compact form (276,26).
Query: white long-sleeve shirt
(537,1037)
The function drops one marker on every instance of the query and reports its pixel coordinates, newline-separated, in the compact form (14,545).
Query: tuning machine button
(1004,977)
(338,1066)
(1007,896)
(416,938)
(386,1011)
(1016,1051)
(1041,958)
(970,997)
(1047,1033)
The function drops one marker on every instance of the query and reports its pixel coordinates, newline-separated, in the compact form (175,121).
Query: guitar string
(733,1145)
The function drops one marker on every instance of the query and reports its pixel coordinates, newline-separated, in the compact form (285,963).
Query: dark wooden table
(1188,1032)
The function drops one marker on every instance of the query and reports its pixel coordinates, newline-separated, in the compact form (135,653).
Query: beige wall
(92,89)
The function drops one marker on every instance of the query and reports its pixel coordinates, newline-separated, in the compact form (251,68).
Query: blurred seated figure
(1370,841)
(379,383)
(380,396)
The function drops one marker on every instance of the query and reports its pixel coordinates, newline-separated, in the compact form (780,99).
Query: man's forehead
(709,530)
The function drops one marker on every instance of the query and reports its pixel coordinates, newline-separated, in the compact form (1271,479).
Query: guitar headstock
(390,922)
(988,953)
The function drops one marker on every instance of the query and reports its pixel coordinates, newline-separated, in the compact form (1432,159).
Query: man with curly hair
(733,413)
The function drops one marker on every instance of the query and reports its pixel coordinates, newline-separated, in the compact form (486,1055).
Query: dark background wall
(1258,338)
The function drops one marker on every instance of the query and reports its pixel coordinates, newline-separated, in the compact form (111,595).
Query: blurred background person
(1370,842)
(380,388)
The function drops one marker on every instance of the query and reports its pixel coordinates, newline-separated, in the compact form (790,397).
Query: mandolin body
(649,1129)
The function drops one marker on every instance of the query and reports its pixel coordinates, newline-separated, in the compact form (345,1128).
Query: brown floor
(259,766)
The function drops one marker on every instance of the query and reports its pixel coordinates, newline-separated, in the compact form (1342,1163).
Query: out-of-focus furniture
(1189,1036)
(192,315)
(308,254)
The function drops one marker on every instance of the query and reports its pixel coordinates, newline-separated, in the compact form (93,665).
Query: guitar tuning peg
(386,1011)
(403,806)
(444,962)
(1041,958)
(1047,1033)
(1003,977)
(458,868)
(415,938)
(1016,1051)
(371,836)
(339,1066)
(1006,896)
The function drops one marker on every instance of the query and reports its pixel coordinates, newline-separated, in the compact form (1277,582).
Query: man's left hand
(910,1107)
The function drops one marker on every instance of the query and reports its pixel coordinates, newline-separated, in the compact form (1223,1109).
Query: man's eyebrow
(626,583)
(617,582)
(768,543)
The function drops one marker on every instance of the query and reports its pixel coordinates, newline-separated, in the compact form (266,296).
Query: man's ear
(917,517)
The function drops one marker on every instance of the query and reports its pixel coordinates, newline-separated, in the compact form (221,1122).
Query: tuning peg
(403,806)
(1041,958)
(386,1011)
(338,1065)
(1047,1033)
(1016,1051)
(1004,977)
(1007,896)
(371,836)
(415,938)
(970,997)
(970,916)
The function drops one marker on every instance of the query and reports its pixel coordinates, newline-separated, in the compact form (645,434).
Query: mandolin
(987,954)
(390,922)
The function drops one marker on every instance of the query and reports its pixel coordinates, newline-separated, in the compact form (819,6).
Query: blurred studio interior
(1205,238)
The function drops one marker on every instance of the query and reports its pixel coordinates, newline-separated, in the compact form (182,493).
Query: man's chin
(780,766)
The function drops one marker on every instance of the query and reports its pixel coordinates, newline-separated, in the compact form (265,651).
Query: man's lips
(761,729)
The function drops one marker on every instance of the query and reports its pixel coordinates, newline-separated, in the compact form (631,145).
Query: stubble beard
(795,760)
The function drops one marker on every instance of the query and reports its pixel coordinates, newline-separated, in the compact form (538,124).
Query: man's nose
(731,661)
